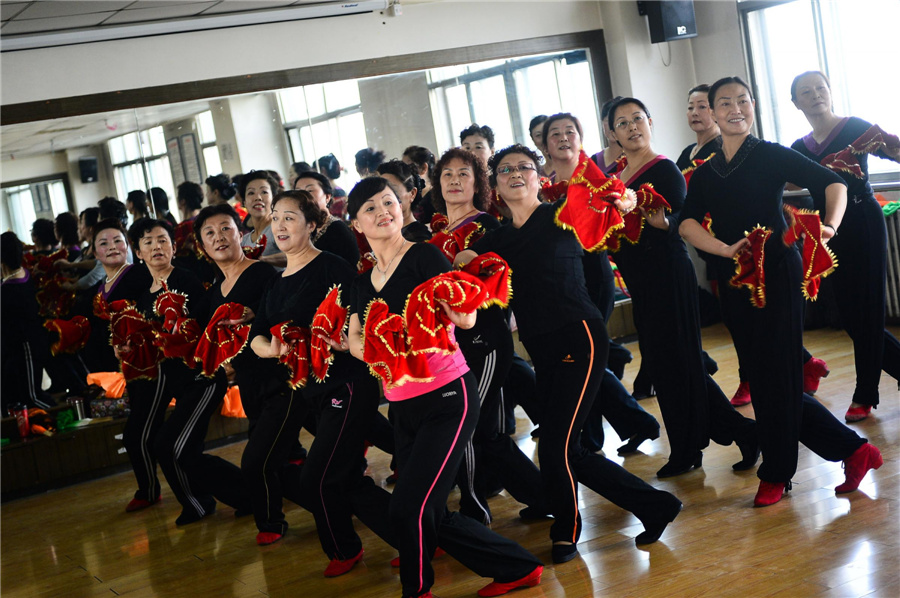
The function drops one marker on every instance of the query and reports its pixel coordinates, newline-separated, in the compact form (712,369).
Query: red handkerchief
(439,222)
(329,320)
(53,300)
(171,306)
(689,171)
(219,344)
(496,276)
(427,326)
(129,327)
(181,343)
(844,161)
(749,270)
(297,357)
(73,334)
(451,243)
(873,140)
(818,260)
(254,251)
(386,350)
(648,199)
(588,210)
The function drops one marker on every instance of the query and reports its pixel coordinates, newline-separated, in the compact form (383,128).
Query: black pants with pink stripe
(431,432)
(569,365)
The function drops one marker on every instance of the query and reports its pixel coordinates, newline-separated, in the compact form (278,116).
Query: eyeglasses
(523,168)
(636,121)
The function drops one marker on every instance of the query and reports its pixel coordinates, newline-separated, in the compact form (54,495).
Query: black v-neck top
(548,283)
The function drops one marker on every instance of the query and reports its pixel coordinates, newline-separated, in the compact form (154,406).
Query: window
(129,153)
(26,202)
(507,94)
(207,133)
(852,42)
(325,119)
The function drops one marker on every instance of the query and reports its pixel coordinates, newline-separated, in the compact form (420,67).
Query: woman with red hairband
(565,335)
(433,416)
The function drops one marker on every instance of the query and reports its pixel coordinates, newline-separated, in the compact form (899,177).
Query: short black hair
(90,216)
(66,224)
(364,190)
(259,175)
(611,117)
(300,167)
(43,231)
(323,180)
(191,195)
(329,166)
(482,197)
(517,148)
(474,129)
(11,250)
(714,88)
(110,207)
(406,173)
(311,210)
(420,156)
(220,183)
(106,224)
(369,159)
(210,211)
(144,226)
(160,201)
(536,121)
(138,200)
(604,109)
(701,88)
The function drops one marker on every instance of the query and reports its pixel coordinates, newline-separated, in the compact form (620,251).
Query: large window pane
(537,92)
(20,205)
(578,97)
(206,128)
(458,109)
(341,94)
(492,109)
(293,105)
(212,161)
(315,100)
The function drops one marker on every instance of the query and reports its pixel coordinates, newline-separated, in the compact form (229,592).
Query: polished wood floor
(79,541)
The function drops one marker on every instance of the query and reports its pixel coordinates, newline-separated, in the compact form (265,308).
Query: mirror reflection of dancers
(432,420)
(568,346)
(741,187)
(861,248)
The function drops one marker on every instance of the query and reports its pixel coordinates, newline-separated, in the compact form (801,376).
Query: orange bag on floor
(232,406)
(113,383)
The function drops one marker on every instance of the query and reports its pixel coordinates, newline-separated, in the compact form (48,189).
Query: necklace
(13,275)
(114,276)
(384,273)
(460,219)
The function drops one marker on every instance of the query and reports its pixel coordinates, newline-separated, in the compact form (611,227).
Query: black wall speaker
(88,169)
(669,19)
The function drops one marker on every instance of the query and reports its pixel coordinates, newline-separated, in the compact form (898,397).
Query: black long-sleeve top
(747,191)
(549,289)
(295,298)
(845,133)
(712,146)
(98,354)
(339,240)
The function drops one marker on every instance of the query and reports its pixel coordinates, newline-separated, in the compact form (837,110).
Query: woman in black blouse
(406,182)
(433,420)
(741,187)
(701,122)
(660,277)
(196,479)
(334,236)
(564,333)
(461,191)
(330,484)
(861,248)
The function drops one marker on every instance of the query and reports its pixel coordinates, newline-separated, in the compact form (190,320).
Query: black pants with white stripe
(196,479)
(21,377)
(492,455)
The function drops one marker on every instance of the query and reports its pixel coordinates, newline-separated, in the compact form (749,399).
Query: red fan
(219,343)
(329,320)
(297,357)
(73,334)
(386,349)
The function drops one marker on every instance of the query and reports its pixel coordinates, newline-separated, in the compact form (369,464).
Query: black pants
(196,479)
(431,431)
(22,375)
(332,485)
(148,400)
(520,388)
(859,287)
(280,416)
(774,336)
(620,409)
(569,365)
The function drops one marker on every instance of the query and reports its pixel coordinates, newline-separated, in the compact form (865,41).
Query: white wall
(86,195)
(196,56)
(32,167)
(403,114)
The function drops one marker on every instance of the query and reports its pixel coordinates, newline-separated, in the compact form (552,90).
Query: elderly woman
(741,188)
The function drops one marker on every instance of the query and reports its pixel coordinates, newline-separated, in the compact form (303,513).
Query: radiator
(893,266)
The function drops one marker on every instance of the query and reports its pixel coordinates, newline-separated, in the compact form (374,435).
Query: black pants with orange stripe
(569,365)
(431,431)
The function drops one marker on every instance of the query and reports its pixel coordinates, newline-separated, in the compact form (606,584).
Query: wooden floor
(79,541)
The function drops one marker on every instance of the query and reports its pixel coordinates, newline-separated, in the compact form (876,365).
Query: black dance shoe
(655,528)
(635,441)
(674,468)
(749,455)
(563,553)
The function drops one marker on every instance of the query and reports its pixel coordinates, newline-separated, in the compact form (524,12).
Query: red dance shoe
(770,493)
(136,504)
(857,414)
(857,465)
(336,567)
(742,396)
(266,538)
(495,588)
(813,371)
